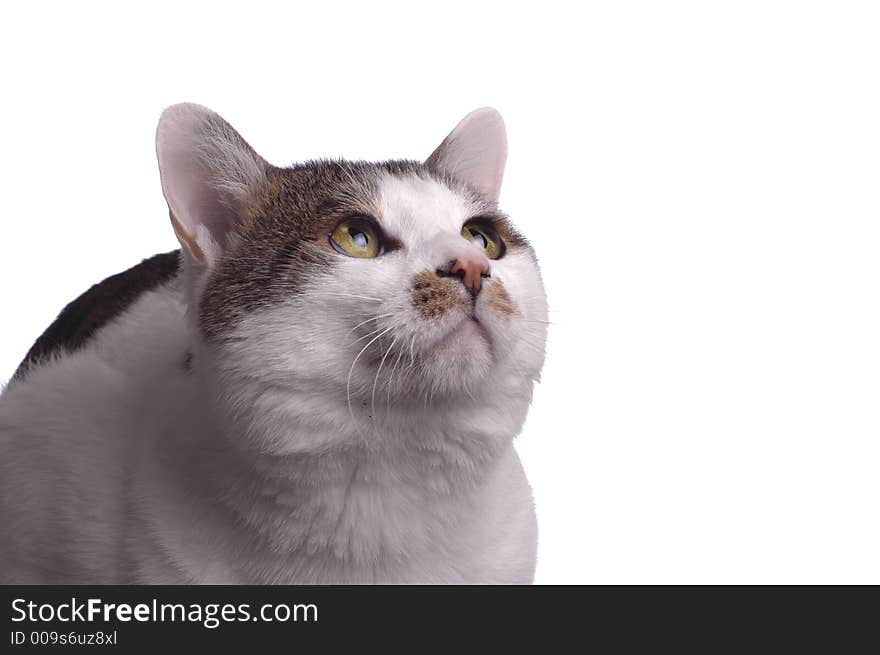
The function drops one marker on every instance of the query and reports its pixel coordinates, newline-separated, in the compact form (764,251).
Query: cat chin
(460,361)
(467,335)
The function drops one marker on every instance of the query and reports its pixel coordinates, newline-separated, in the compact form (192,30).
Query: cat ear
(208,173)
(475,152)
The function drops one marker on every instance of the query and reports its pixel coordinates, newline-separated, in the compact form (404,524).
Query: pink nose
(471,267)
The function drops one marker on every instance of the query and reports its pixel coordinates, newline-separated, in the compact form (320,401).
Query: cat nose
(470,267)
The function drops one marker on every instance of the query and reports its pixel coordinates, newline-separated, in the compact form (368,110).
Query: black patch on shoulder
(79,320)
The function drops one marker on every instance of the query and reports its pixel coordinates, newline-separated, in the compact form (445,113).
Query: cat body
(322,386)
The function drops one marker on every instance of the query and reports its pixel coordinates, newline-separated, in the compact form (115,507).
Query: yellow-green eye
(356,238)
(485,238)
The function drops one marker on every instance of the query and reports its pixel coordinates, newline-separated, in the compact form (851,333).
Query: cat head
(337,294)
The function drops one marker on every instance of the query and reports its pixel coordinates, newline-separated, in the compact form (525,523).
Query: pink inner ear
(475,152)
(206,168)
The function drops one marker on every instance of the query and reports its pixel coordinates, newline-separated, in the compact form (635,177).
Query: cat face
(386,288)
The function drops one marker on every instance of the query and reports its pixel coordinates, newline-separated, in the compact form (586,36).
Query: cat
(322,385)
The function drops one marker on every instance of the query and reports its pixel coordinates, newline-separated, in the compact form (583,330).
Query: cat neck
(368,493)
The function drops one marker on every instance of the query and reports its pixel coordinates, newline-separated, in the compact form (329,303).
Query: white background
(700,183)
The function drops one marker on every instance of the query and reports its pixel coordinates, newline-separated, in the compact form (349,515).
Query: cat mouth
(465,332)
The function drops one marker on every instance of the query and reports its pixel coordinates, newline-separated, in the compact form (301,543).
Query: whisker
(531,298)
(367,335)
(344,295)
(372,318)
(351,370)
(388,386)
(533,320)
(538,349)
(376,381)
(534,300)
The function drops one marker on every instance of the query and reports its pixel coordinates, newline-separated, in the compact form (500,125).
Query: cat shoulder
(99,306)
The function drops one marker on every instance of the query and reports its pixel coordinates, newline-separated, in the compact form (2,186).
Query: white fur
(283,457)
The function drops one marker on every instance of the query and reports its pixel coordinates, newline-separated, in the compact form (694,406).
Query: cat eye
(485,238)
(357,237)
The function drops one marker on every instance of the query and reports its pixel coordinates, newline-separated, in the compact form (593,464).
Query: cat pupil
(479,239)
